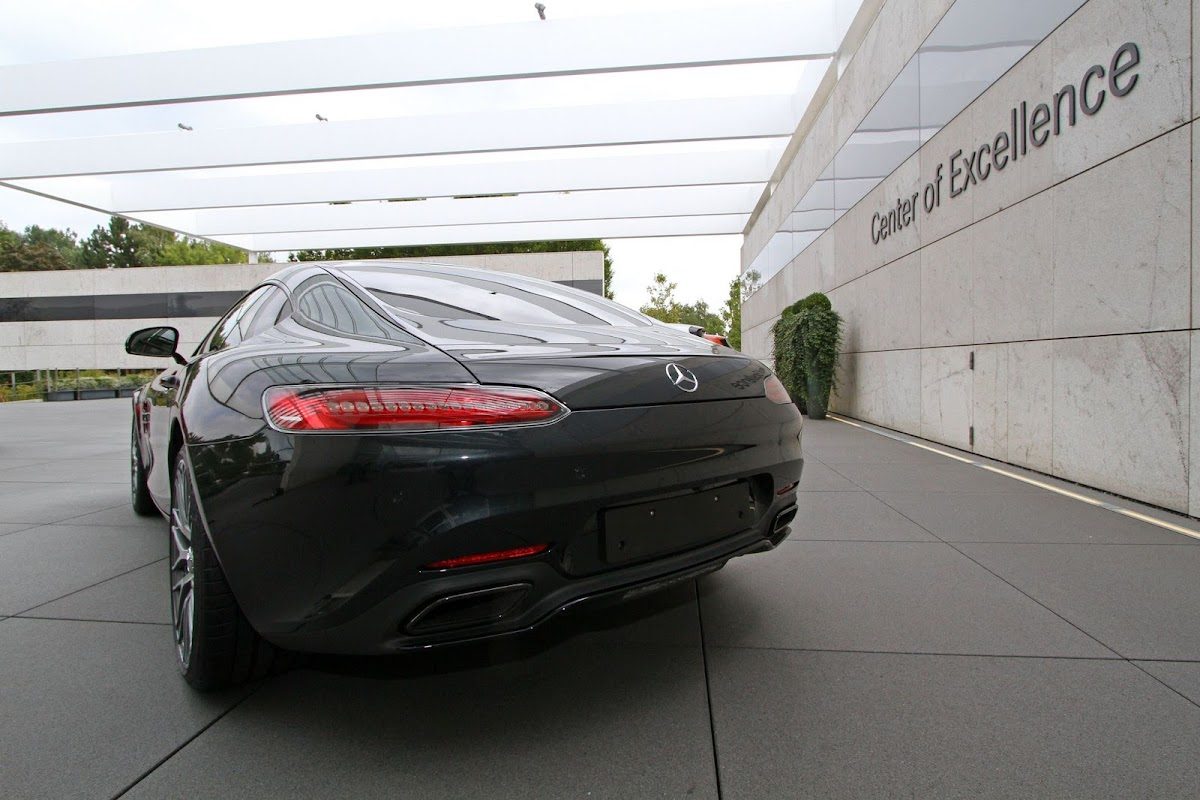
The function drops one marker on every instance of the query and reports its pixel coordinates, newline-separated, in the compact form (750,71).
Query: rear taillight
(303,409)
(776,392)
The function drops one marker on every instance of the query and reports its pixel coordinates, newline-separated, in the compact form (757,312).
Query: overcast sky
(50,30)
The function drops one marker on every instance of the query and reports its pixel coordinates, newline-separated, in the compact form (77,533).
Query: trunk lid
(587,351)
(606,381)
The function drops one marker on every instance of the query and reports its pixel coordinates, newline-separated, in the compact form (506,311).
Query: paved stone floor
(930,630)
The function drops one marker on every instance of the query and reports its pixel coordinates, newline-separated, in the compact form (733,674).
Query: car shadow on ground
(644,618)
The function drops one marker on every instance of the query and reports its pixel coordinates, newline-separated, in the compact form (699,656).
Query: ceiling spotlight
(541,9)
(323,119)
(183,127)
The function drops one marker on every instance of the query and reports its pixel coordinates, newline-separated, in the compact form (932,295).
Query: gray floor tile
(667,617)
(63,447)
(41,564)
(851,515)
(38,503)
(138,596)
(1182,676)
(873,450)
(104,469)
(858,726)
(7,463)
(887,596)
(817,477)
(1142,602)
(949,476)
(90,706)
(575,721)
(1041,517)
(118,516)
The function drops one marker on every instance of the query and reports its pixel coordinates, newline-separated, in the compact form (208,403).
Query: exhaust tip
(465,609)
(779,528)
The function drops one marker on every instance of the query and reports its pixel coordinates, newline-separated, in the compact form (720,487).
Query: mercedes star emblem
(683,379)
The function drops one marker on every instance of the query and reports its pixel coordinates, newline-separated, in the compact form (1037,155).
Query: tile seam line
(1006,473)
(72,482)
(994,574)
(965,555)
(712,725)
(90,620)
(1157,679)
(1132,662)
(928,653)
(64,520)
(175,751)
(89,586)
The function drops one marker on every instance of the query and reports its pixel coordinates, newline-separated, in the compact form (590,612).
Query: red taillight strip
(331,409)
(489,558)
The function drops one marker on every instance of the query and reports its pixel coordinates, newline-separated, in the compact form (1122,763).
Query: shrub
(23,391)
(807,337)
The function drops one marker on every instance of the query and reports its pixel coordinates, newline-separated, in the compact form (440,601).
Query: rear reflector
(301,409)
(776,392)
(489,558)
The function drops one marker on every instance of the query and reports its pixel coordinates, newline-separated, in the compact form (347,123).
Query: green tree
(65,242)
(125,244)
(662,304)
(698,313)
(111,245)
(664,307)
(188,251)
(19,254)
(608,274)
(740,288)
(149,244)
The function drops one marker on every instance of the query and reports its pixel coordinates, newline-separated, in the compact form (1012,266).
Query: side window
(264,314)
(226,332)
(331,305)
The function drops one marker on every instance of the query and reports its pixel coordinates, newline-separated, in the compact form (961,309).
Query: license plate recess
(644,530)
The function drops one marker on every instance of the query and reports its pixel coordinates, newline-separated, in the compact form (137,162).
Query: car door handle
(169,380)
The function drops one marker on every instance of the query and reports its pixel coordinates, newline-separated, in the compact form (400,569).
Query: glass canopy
(608,119)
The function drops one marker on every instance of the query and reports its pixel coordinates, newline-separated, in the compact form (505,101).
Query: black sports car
(369,457)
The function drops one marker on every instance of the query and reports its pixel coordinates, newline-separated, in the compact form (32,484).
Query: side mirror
(158,342)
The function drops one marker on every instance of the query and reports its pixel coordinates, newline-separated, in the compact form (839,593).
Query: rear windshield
(427,295)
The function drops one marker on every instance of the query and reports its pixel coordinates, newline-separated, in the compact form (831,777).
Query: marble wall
(1069,278)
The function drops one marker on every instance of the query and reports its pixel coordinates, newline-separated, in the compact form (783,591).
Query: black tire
(219,648)
(139,491)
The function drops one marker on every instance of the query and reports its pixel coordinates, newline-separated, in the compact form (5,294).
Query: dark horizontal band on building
(170,305)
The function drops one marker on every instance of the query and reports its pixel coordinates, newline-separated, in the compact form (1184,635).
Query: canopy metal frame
(528,168)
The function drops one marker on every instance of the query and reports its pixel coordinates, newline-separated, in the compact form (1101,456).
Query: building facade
(998,197)
(79,319)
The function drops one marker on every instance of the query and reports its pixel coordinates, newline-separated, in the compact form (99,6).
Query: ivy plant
(808,336)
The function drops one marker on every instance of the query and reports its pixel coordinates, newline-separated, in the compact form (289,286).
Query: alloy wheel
(133,467)
(183,575)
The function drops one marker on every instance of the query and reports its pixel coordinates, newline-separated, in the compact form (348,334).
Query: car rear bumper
(324,539)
